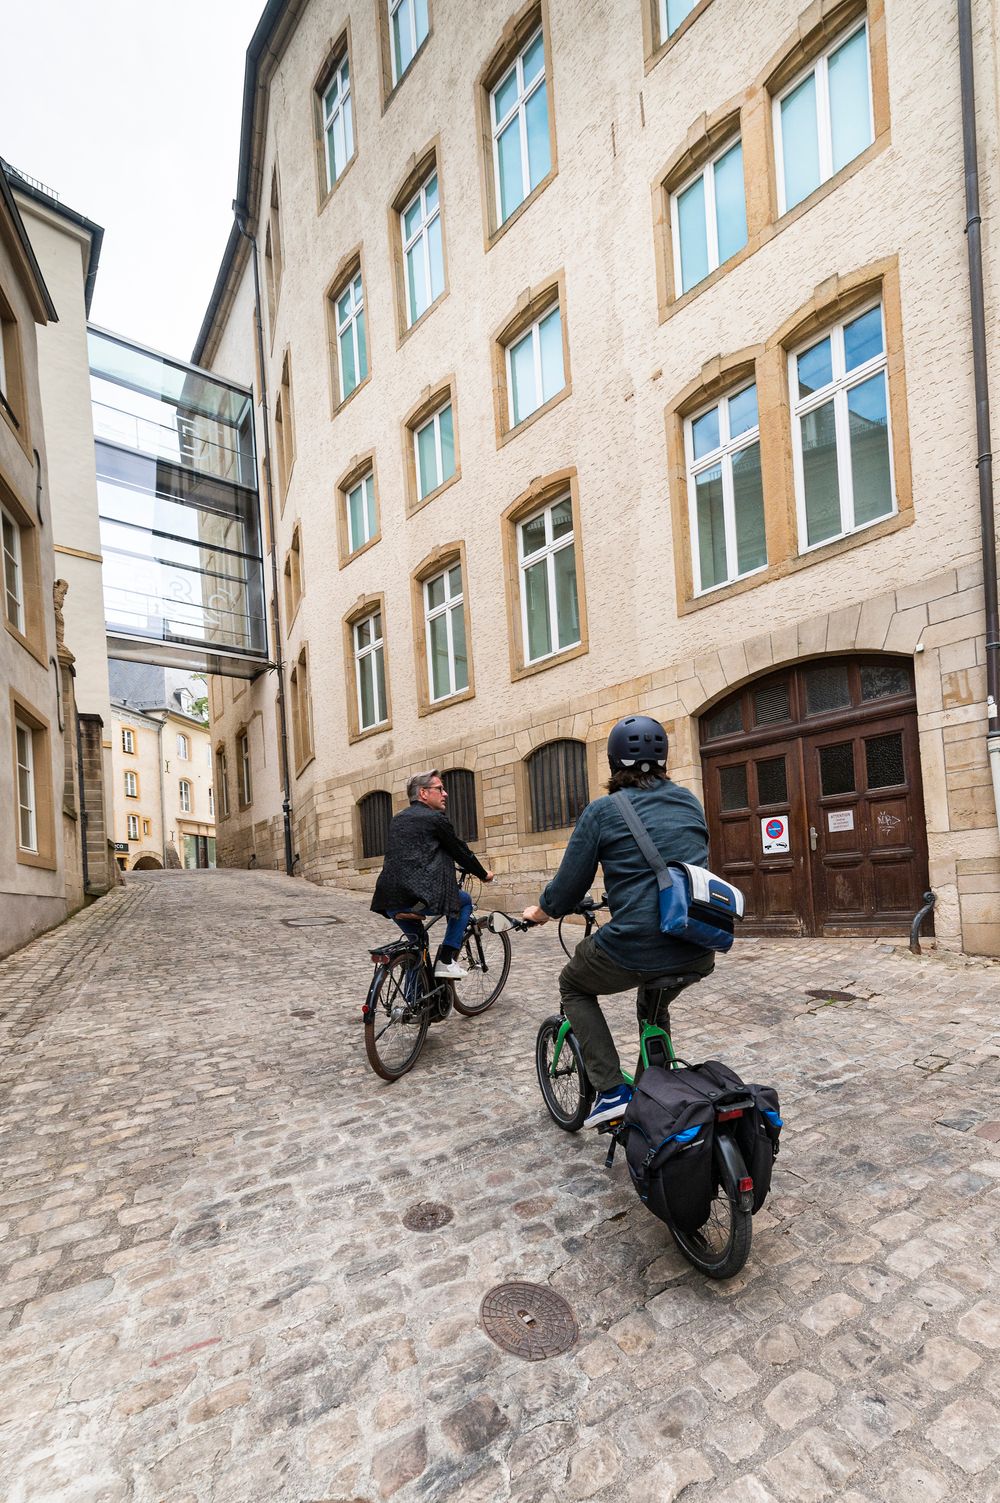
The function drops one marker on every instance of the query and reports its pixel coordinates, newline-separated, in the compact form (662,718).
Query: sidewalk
(207,1293)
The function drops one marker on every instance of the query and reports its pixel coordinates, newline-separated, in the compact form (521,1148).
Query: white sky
(131,112)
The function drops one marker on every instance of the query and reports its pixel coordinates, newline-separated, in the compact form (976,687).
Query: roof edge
(72,216)
(42,298)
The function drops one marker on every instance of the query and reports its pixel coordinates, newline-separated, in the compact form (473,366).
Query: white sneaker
(450,970)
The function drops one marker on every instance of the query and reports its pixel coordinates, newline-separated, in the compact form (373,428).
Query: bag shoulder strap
(642,838)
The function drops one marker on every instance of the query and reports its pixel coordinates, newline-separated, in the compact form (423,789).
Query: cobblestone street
(208,1293)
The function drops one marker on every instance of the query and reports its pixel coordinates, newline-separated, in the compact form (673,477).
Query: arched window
(374,813)
(557,784)
(461,790)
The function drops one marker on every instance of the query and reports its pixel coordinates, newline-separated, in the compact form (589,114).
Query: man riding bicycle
(418,873)
(631,946)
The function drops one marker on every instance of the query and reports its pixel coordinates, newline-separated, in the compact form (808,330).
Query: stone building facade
(613,367)
(164,798)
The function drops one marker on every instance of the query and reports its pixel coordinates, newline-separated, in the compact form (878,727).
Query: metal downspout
(984,459)
(286,803)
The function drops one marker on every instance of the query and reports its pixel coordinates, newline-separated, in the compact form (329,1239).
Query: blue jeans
(455,931)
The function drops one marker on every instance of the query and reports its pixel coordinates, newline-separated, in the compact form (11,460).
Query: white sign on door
(774,834)
(840,819)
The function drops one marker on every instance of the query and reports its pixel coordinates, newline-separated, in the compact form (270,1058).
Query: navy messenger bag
(695,905)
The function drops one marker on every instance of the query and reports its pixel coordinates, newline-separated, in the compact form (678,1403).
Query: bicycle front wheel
(566,1090)
(721,1246)
(396,1017)
(487,956)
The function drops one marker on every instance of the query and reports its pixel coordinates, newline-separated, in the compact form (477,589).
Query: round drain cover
(311,921)
(529,1320)
(427,1216)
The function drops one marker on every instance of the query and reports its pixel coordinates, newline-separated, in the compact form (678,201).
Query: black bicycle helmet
(638,741)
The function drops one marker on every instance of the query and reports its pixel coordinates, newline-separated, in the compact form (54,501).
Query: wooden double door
(821,824)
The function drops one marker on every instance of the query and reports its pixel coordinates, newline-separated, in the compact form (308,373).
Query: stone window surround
(748,117)
(654,46)
(348,268)
(441,558)
(14,407)
(24,711)
(517,31)
(223,806)
(33,639)
(303,740)
(767,363)
(365,605)
(422,165)
(284,428)
(293,577)
(542,492)
(522,790)
(390,89)
(362,862)
(359,467)
(432,399)
(273,262)
(532,305)
(337,48)
(243,730)
(465,761)
(130,773)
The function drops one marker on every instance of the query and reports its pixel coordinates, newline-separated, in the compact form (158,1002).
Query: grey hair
(420,780)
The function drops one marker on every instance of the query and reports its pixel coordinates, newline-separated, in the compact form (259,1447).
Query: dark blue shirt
(676,823)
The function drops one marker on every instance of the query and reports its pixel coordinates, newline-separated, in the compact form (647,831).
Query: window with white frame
(709,217)
(184,788)
(246,779)
(27,809)
(369,670)
(550,608)
(725,495)
(128,740)
(133,827)
(338,121)
(423,253)
(408,27)
(842,442)
(444,617)
(519,117)
(352,344)
(535,366)
(434,450)
(13,571)
(131,785)
(823,120)
(211,803)
(183,748)
(360,503)
(672,13)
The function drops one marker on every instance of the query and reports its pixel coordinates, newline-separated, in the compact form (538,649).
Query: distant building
(619,358)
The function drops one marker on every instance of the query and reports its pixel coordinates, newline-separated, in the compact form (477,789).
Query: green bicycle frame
(647,1033)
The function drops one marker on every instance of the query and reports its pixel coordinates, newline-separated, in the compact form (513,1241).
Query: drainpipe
(984,460)
(242,224)
(163,801)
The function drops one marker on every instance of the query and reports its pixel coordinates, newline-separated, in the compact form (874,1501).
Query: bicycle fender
(732,1170)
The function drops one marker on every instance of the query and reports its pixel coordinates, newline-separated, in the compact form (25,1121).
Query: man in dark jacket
(418,873)
(631,946)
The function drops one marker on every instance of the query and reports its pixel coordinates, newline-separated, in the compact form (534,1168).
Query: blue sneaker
(609,1105)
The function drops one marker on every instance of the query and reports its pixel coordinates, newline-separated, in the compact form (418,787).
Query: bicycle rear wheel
(396,1017)
(567,1093)
(487,956)
(721,1246)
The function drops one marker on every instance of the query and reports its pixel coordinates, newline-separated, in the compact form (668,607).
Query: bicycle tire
(471,995)
(570,950)
(568,1105)
(387,996)
(723,1252)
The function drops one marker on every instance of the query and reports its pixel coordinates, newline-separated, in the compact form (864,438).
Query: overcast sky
(131,113)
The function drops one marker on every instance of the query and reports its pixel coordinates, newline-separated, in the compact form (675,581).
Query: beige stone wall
(636,357)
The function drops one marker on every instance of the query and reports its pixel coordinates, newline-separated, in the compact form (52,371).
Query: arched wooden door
(814,800)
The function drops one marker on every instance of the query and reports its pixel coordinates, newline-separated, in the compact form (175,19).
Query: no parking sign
(774,834)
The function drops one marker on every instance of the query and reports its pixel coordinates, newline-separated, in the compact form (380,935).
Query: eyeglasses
(436,788)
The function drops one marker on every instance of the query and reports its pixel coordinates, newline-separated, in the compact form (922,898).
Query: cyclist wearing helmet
(631,946)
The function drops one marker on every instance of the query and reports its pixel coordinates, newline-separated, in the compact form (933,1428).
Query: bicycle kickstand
(612,1128)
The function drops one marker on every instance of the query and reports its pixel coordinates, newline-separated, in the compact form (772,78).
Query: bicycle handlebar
(589,906)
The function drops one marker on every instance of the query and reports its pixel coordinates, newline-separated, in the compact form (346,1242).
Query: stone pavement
(207,1294)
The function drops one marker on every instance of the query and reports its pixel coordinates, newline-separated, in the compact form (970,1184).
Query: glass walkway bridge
(179,512)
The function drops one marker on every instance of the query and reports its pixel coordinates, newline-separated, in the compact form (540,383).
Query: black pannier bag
(669,1130)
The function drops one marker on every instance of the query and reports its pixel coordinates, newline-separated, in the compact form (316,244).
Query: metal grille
(375,812)
(557,781)
(726,721)
(836,768)
(884,759)
(733,786)
(461,789)
(827,688)
(772,781)
(878,680)
(771,704)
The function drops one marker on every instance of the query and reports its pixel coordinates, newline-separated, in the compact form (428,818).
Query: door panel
(742,790)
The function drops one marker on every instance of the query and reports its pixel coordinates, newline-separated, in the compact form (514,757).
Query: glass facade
(179,512)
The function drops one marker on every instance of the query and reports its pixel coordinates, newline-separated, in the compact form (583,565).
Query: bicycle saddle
(672,981)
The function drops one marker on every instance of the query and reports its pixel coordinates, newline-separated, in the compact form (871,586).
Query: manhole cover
(312,921)
(427,1216)
(530,1320)
(824,995)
